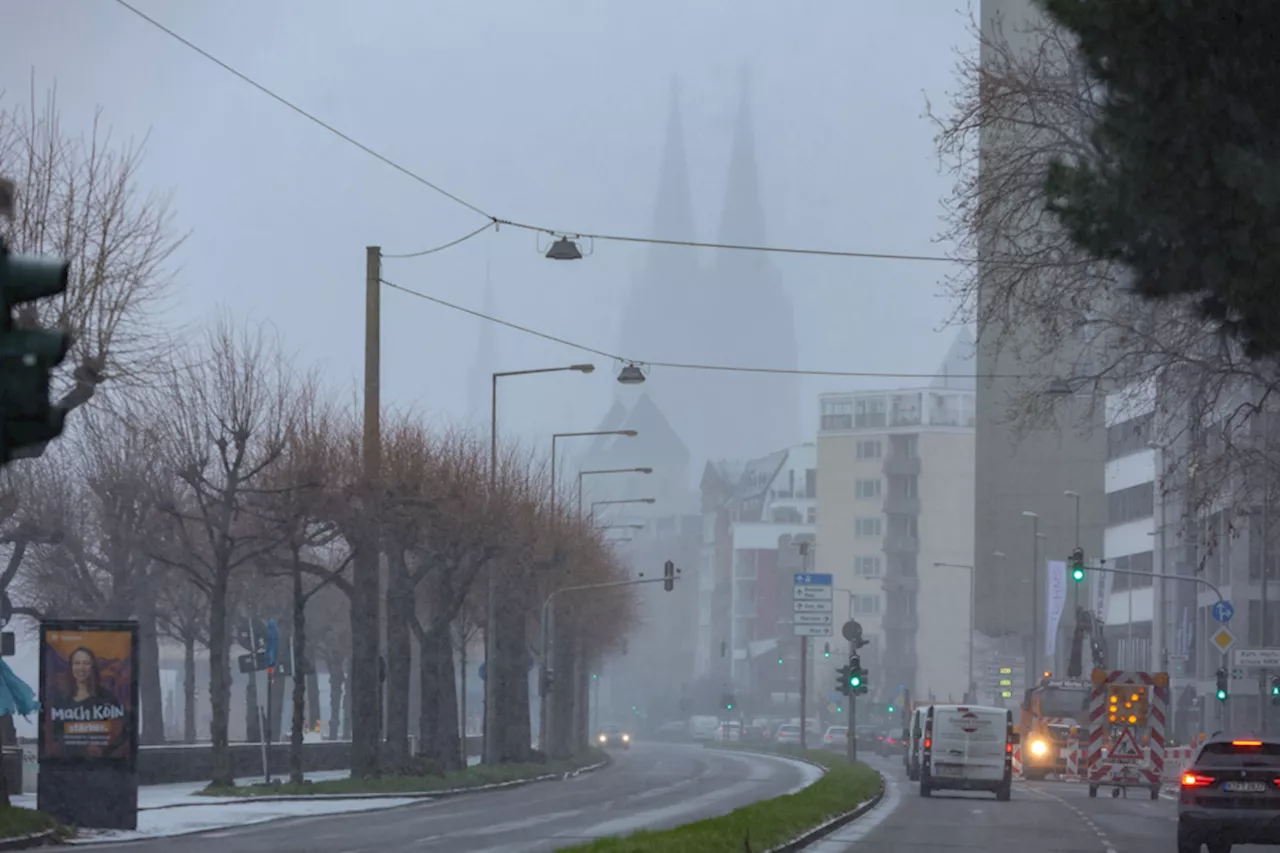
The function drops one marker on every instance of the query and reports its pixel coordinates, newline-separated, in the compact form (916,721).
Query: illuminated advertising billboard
(88,692)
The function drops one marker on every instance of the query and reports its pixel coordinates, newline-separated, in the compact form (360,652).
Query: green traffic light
(855,681)
(1077,574)
(826,654)
(839,710)
(729,707)
(1275,690)
(1222,695)
(779,660)
(890,709)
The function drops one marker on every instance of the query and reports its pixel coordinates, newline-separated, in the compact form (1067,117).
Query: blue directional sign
(1223,611)
(810,579)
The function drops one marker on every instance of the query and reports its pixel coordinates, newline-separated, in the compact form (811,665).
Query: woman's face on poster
(81,667)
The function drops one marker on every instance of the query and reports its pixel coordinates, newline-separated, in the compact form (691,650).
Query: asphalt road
(651,786)
(1042,816)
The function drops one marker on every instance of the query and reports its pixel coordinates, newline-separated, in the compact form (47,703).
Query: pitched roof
(957,367)
(613,419)
(654,433)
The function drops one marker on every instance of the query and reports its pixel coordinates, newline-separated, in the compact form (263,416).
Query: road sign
(811,579)
(1223,639)
(1126,748)
(813,618)
(812,630)
(812,593)
(1222,611)
(809,606)
(1256,658)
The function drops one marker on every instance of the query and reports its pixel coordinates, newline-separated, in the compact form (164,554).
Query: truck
(1124,743)
(1054,711)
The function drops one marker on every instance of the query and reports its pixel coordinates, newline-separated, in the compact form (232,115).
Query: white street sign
(813,618)
(807,606)
(1256,658)
(812,593)
(812,630)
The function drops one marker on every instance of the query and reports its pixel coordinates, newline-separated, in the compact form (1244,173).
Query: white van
(704,727)
(913,737)
(967,748)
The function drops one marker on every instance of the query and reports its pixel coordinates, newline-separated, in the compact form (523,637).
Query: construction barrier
(1176,760)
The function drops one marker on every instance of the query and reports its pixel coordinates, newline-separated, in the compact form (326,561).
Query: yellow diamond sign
(1223,639)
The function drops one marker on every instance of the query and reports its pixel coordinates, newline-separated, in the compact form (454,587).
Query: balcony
(901,504)
(901,545)
(897,465)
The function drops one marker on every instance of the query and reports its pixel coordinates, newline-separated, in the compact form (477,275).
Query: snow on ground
(176,809)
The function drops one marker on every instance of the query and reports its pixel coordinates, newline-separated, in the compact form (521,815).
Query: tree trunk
(446,747)
(399,607)
(560,735)
(220,684)
(337,678)
(152,731)
(363,695)
(299,636)
(346,703)
(511,688)
(279,685)
(189,687)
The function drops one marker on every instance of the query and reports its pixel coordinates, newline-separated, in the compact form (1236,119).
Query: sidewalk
(176,809)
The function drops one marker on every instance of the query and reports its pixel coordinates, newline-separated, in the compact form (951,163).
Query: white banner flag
(1055,600)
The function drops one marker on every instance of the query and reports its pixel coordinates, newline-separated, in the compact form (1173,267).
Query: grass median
(473,777)
(16,822)
(761,825)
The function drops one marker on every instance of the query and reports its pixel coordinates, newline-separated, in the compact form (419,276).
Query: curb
(25,842)
(805,839)
(387,795)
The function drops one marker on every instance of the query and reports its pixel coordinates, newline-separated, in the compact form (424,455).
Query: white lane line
(839,841)
(1102,836)
(517,825)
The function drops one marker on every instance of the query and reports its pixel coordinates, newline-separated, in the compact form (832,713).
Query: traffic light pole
(850,736)
(804,682)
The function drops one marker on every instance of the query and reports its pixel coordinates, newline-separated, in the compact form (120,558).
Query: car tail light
(1246,743)
(1008,748)
(928,743)
(1195,780)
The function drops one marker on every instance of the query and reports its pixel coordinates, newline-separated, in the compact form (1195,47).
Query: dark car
(612,735)
(1230,795)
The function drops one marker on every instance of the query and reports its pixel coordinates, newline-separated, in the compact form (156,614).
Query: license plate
(950,770)
(1244,787)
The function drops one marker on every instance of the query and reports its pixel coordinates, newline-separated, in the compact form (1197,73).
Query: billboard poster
(88,692)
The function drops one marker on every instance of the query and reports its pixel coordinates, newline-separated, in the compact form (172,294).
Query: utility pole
(804,670)
(850,736)
(365,686)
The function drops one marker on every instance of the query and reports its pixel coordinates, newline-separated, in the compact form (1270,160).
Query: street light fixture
(564,249)
(628,433)
(582,474)
(595,504)
(631,374)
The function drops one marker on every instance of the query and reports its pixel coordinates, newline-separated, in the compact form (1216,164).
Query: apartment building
(895,525)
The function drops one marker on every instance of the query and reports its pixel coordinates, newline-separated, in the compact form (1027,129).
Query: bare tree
(222,420)
(1044,309)
(78,197)
(184,618)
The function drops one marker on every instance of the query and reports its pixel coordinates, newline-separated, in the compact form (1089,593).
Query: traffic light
(842,680)
(826,650)
(28,355)
(1275,690)
(856,676)
(890,708)
(726,699)
(1077,565)
(668,576)
(1222,685)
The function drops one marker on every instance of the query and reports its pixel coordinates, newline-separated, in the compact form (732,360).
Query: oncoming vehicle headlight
(1039,748)
(604,738)
(626,738)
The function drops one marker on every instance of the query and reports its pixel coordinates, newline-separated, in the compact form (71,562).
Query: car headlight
(604,738)
(1039,748)
(626,738)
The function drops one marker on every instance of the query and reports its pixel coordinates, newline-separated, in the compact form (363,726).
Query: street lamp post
(492,752)
(595,504)
(1076,497)
(972,688)
(628,433)
(1035,593)
(582,474)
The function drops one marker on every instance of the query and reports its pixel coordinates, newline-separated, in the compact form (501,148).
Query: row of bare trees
(1046,310)
(203,483)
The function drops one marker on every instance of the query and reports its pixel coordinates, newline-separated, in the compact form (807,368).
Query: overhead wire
(495,220)
(431,251)
(676,365)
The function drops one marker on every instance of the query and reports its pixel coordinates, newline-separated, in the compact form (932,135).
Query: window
(837,414)
(868,412)
(866,604)
(812,516)
(867,567)
(811,483)
(1131,504)
(868,449)
(1128,436)
(867,488)
(864,528)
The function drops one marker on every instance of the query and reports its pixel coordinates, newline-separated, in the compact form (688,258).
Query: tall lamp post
(1076,497)
(555,437)
(492,752)
(1035,593)
(971,688)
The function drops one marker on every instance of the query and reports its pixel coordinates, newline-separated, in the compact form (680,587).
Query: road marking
(1102,836)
